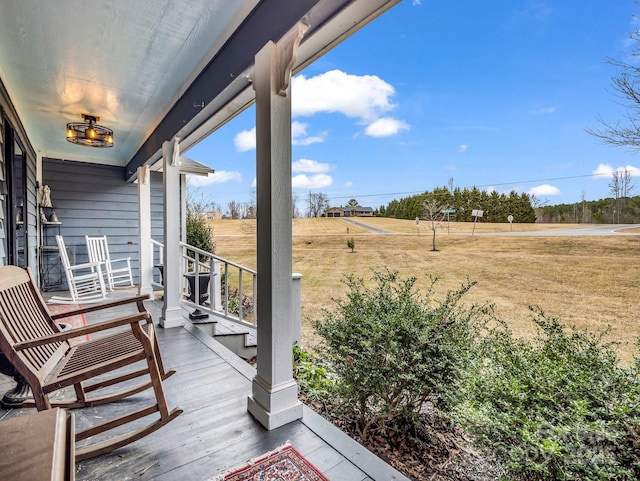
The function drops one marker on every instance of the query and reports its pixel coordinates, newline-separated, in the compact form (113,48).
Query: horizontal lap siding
(94,200)
(157,211)
(157,216)
(32,212)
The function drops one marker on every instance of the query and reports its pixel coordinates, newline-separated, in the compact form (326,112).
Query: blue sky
(493,94)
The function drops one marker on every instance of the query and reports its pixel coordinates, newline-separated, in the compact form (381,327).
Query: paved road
(599,230)
(587,230)
(374,230)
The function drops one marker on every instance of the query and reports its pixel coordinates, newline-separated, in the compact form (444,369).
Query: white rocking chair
(98,250)
(84,280)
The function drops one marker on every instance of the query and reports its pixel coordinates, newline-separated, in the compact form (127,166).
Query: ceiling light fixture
(89,133)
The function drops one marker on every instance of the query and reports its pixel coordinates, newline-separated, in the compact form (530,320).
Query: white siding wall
(92,199)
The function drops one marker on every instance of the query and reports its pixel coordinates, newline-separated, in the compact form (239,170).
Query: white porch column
(144,228)
(171,310)
(274,400)
(183,208)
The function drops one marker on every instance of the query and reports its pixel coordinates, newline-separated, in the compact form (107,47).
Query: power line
(482,185)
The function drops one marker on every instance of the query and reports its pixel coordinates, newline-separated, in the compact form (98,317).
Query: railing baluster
(211,265)
(240,298)
(212,303)
(255,299)
(226,289)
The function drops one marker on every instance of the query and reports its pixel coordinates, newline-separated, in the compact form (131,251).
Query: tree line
(612,210)
(496,207)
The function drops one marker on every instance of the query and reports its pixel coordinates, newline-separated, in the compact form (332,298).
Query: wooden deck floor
(215,432)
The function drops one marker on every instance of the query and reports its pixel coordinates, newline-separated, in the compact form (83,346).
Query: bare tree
(537,201)
(235,209)
(251,211)
(318,203)
(626,132)
(620,186)
(627,183)
(584,207)
(295,212)
(615,188)
(199,203)
(432,213)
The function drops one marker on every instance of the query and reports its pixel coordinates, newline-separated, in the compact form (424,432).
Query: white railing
(230,291)
(231,288)
(157,248)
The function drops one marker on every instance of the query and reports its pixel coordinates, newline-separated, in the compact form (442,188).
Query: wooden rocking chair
(42,354)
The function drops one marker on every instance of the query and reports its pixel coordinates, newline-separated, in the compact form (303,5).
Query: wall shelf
(51,273)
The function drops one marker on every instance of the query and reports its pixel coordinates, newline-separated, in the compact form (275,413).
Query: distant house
(357,211)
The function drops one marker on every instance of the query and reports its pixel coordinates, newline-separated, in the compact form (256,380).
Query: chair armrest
(87,265)
(98,307)
(124,259)
(82,331)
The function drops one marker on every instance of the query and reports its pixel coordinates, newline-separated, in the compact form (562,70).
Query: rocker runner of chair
(84,280)
(98,250)
(41,353)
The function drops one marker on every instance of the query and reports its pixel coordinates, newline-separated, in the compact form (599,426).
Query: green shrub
(394,352)
(313,379)
(351,244)
(559,407)
(199,233)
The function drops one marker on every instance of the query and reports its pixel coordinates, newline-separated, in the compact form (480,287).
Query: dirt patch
(630,230)
(437,451)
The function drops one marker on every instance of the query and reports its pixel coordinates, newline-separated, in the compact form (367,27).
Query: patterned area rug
(74,321)
(283,464)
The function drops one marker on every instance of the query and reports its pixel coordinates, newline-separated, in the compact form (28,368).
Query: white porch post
(171,310)
(144,228)
(274,400)
(183,208)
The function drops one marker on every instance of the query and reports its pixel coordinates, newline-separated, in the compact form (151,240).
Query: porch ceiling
(150,69)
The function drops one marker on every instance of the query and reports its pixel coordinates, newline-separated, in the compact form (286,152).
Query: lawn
(589,282)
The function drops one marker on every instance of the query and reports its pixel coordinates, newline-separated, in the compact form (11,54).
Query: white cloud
(606,171)
(254,182)
(308,140)
(304,181)
(635,171)
(219,177)
(348,184)
(308,165)
(544,189)
(385,127)
(463,148)
(365,97)
(245,140)
(318,181)
(603,170)
(299,134)
(544,111)
(417,2)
